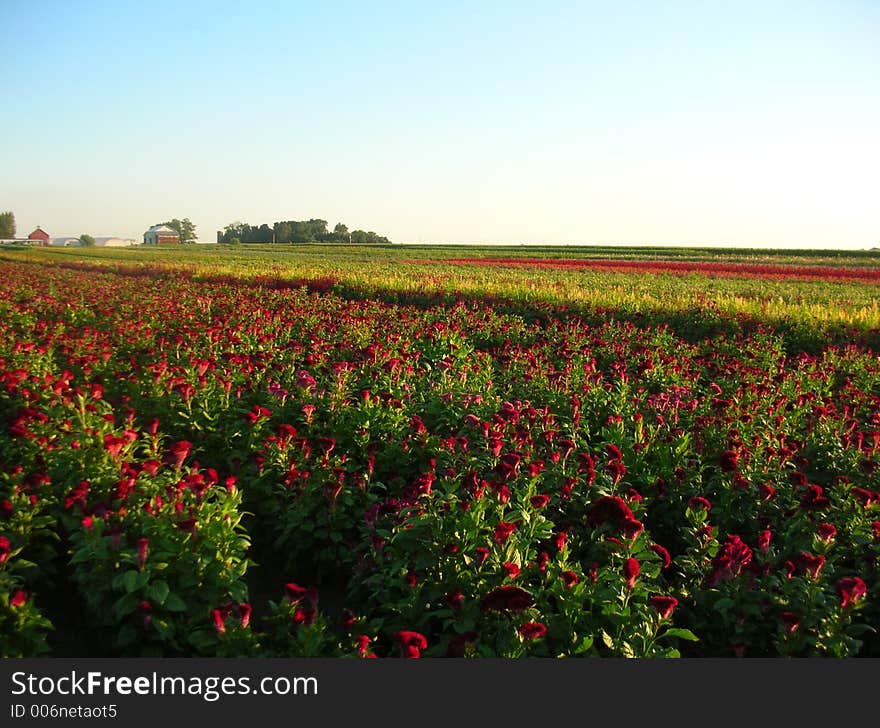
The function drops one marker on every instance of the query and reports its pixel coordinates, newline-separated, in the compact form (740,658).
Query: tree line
(295,231)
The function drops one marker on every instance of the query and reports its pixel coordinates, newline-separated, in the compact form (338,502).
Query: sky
(754,123)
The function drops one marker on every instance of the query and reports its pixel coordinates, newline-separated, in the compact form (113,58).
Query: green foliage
(86,240)
(7,224)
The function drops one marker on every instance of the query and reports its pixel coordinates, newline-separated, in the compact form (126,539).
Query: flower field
(305,454)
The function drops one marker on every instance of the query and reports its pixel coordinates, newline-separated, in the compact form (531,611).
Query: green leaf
(174,603)
(158,592)
(682,634)
(134,580)
(725,603)
(584,645)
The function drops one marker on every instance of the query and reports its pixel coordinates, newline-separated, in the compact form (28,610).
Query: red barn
(39,236)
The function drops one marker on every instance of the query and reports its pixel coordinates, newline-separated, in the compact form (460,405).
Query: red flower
(730,560)
(244,614)
(143,547)
(5,549)
(507,599)
(219,623)
(454,600)
(826,532)
(806,564)
(19,599)
(294,593)
(542,560)
(813,499)
(764,541)
(482,554)
(728,461)
(304,616)
(698,503)
(511,569)
(569,578)
(663,604)
(631,570)
(850,589)
(631,528)
(503,531)
(458,644)
(532,630)
(177,453)
(540,500)
(665,558)
(411,643)
(790,622)
(363,643)
(609,509)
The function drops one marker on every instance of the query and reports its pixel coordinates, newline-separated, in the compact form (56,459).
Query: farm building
(65,242)
(114,243)
(161,235)
(39,237)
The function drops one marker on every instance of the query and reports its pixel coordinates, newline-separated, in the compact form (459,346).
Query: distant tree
(234,241)
(184,228)
(7,225)
(340,233)
(86,240)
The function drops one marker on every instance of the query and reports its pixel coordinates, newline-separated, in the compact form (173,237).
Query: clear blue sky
(678,122)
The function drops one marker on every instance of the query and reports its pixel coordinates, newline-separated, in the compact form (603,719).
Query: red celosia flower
(826,532)
(698,503)
(631,570)
(728,461)
(730,560)
(143,547)
(764,541)
(19,599)
(503,531)
(507,599)
(219,623)
(790,622)
(630,528)
(609,509)
(294,593)
(304,616)
(411,643)
(454,600)
(850,589)
(806,564)
(813,499)
(177,453)
(864,496)
(532,630)
(244,614)
(569,578)
(511,569)
(665,558)
(542,560)
(540,500)
(663,604)
(482,554)
(363,643)
(5,549)
(560,540)
(458,644)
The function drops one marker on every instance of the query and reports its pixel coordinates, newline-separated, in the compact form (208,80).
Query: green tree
(184,228)
(340,233)
(7,225)
(86,240)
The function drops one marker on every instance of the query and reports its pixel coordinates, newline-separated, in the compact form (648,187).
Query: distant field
(405,451)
